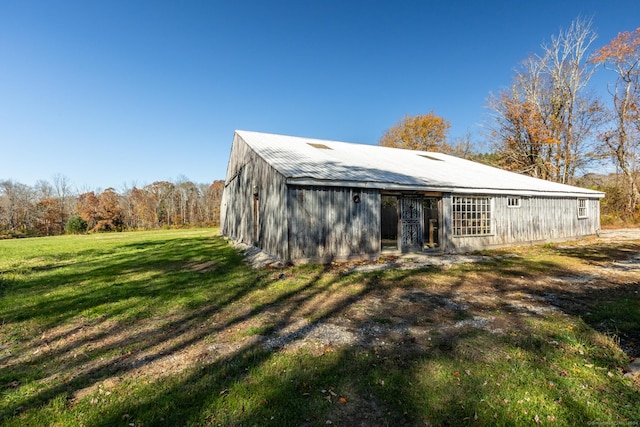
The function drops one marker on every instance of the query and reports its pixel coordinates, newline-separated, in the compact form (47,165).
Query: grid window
(471,216)
(513,202)
(582,208)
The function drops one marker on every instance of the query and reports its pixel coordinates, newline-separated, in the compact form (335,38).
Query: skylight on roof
(320,146)
(430,158)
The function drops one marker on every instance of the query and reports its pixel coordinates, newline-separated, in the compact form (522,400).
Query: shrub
(76,225)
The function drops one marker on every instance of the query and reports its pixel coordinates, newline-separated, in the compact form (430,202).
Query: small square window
(582,208)
(513,202)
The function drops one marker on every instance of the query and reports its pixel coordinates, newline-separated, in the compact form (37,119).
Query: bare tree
(15,206)
(543,124)
(43,189)
(621,141)
(463,146)
(573,112)
(63,191)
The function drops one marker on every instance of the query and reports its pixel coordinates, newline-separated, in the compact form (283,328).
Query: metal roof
(308,161)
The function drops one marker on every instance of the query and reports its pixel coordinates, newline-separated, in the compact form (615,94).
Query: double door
(410,222)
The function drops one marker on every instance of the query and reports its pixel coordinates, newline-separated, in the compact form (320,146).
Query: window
(513,202)
(582,208)
(471,216)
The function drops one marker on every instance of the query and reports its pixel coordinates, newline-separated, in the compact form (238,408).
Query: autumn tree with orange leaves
(426,132)
(88,207)
(621,141)
(527,145)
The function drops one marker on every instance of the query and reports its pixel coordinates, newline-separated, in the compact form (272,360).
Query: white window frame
(583,211)
(514,202)
(472,216)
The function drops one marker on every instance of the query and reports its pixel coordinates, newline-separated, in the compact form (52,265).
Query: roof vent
(320,146)
(430,158)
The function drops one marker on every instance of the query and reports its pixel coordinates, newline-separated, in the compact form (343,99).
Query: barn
(303,199)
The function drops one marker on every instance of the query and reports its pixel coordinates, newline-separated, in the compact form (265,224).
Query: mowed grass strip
(170,328)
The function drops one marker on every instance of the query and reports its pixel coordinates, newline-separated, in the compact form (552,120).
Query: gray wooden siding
(537,219)
(326,224)
(245,171)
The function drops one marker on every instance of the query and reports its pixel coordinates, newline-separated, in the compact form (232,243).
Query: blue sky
(115,93)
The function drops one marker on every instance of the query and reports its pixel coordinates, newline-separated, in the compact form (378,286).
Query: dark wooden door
(410,224)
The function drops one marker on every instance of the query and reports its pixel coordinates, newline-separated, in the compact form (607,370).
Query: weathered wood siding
(538,219)
(245,171)
(326,224)
(322,223)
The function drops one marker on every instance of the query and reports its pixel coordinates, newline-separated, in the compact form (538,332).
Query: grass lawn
(171,328)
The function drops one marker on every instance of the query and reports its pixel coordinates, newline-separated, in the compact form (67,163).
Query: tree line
(550,124)
(52,208)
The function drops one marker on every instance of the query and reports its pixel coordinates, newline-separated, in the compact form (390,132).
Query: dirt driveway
(620,234)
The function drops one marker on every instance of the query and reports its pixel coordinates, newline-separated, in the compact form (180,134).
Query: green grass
(167,328)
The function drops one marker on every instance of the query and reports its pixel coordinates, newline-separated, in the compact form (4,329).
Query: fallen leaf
(537,419)
(342,400)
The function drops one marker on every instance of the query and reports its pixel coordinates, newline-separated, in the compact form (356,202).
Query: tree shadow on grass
(600,251)
(86,352)
(397,383)
(158,272)
(86,314)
